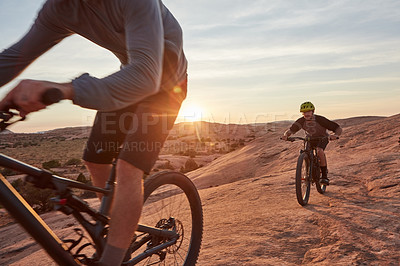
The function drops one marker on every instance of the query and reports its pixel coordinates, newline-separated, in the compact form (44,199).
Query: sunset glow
(191,113)
(299,51)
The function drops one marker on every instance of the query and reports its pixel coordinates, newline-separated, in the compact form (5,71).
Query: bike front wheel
(172,195)
(303,183)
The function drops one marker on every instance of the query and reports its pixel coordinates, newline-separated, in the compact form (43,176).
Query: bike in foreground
(169,233)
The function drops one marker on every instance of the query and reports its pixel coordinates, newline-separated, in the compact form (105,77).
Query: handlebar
(49,97)
(310,138)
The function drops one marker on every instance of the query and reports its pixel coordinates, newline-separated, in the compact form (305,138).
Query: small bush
(8,172)
(39,199)
(51,164)
(167,165)
(86,194)
(191,153)
(190,165)
(82,178)
(73,161)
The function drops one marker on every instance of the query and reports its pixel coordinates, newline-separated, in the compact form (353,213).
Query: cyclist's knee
(126,169)
(96,166)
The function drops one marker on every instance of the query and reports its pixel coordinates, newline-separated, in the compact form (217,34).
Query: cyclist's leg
(323,161)
(99,174)
(108,134)
(321,157)
(125,214)
(321,152)
(150,125)
(102,146)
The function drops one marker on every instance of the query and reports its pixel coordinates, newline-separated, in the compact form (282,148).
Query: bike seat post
(107,199)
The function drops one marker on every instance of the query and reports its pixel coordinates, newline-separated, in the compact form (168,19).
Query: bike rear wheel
(303,183)
(172,195)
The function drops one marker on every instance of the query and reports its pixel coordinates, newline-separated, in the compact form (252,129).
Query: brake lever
(4,125)
(49,97)
(6,116)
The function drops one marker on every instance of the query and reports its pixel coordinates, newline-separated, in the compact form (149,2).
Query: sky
(251,61)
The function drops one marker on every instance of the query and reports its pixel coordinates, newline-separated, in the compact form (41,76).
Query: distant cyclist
(316,126)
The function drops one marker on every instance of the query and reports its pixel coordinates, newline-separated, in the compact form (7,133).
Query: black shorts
(322,143)
(137,131)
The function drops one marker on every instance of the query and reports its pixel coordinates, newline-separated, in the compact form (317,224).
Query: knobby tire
(303,183)
(172,194)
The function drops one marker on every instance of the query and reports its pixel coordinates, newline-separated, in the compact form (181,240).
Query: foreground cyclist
(137,104)
(316,126)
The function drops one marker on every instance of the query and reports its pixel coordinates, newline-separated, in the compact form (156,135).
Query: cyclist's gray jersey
(315,128)
(138,32)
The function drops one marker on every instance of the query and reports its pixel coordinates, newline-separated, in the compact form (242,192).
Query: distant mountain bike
(169,233)
(308,170)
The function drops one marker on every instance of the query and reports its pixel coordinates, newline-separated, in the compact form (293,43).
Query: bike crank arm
(157,232)
(149,252)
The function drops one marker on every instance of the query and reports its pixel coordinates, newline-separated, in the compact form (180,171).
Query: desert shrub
(16,144)
(73,161)
(167,165)
(8,172)
(51,164)
(190,165)
(27,144)
(234,146)
(191,153)
(39,199)
(86,194)
(82,178)
(5,146)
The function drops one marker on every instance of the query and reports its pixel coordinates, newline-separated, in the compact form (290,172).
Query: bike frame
(24,214)
(313,155)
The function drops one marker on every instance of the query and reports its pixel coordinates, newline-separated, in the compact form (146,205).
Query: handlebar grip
(51,96)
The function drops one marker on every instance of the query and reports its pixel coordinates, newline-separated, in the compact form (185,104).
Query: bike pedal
(324,182)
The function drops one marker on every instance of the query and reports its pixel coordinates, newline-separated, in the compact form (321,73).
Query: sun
(191,113)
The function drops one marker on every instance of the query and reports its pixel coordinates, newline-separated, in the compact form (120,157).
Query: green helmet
(307,106)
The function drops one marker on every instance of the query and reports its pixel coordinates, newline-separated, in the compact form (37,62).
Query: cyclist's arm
(337,133)
(288,133)
(330,125)
(37,41)
(326,123)
(296,126)
(141,76)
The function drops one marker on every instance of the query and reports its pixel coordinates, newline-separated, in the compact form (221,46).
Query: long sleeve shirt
(316,128)
(137,32)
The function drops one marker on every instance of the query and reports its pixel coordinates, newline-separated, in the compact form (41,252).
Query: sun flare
(191,113)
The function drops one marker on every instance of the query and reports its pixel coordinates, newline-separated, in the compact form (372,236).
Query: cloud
(243,54)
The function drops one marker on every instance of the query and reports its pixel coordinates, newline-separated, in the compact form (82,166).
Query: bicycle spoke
(170,204)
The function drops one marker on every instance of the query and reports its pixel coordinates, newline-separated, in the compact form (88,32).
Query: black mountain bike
(308,170)
(169,233)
